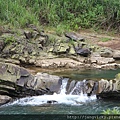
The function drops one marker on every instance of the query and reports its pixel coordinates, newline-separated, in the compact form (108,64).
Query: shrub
(111,111)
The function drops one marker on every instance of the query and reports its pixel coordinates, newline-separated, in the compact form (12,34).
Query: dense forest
(68,14)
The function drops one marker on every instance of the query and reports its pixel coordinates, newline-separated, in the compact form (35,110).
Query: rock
(116,54)
(71,86)
(106,52)
(16,81)
(94,65)
(9,72)
(93,48)
(80,87)
(23,49)
(52,101)
(109,89)
(28,35)
(2,45)
(14,73)
(101,60)
(95,54)
(4,99)
(8,60)
(117,76)
(62,48)
(89,86)
(117,81)
(58,63)
(47,82)
(82,51)
(110,95)
(72,50)
(74,36)
(110,66)
(103,85)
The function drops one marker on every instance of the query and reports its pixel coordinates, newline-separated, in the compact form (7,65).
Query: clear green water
(91,107)
(88,74)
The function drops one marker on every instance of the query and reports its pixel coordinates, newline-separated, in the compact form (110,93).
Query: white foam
(61,98)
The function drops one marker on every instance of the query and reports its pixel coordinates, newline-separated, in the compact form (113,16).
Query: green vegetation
(73,14)
(10,40)
(105,39)
(113,111)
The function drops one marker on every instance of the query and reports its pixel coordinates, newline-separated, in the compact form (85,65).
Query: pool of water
(88,74)
(65,104)
(92,107)
(78,74)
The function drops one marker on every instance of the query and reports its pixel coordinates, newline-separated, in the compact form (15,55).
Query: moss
(118,76)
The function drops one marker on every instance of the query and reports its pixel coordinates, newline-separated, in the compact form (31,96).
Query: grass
(10,40)
(105,39)
(61,14)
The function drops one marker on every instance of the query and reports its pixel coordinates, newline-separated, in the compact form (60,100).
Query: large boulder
(47,82)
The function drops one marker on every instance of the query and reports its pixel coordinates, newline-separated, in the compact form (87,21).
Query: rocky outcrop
(105,89)
(35,47)
(16,81)
(13,80)
(59,63)
(110,89)
(21,48)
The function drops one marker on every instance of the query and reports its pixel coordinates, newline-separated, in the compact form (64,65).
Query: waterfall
(63,86)
(75,97)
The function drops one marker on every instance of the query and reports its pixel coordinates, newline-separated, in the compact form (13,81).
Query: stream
(62,103)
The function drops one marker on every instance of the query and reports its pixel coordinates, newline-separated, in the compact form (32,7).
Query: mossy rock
(117,76)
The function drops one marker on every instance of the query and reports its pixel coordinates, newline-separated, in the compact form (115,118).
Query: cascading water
(63,86)
(61,98)
(72,98)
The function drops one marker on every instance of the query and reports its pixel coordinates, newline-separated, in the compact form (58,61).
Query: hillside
(62,14)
